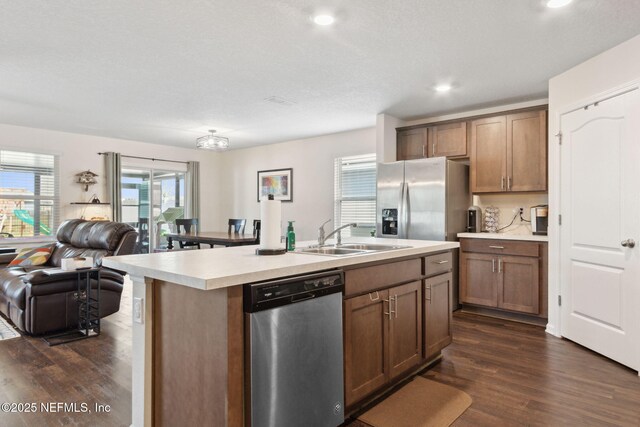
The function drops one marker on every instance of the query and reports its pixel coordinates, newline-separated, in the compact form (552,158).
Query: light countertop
(223,267)
(504,236)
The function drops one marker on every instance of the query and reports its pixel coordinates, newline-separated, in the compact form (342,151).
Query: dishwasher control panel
(261,296)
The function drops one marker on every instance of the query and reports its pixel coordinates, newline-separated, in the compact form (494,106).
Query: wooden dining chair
(186,224)
(237,225)
(256,230)
(143,236)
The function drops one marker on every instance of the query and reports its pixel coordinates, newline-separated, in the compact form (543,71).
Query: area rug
(420,403)
(7,331)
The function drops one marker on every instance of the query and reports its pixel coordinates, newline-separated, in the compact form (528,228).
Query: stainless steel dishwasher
(294,330)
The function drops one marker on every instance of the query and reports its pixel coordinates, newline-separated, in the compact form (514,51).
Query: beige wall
(612,69)
(508,205)
(312,162)
(80,152)
(228,180)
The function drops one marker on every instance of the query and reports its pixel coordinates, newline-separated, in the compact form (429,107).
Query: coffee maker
(474,219)
(539,219)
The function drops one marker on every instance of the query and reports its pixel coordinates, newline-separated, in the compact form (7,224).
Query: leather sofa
(38,303)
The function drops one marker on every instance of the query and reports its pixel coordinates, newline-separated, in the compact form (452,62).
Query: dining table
(211,238)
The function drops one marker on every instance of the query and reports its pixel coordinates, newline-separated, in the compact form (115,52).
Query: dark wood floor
(516,374)
(97,370)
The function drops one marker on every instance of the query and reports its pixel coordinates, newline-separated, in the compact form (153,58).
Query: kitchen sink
(372,246)
(331,251)
(349,249)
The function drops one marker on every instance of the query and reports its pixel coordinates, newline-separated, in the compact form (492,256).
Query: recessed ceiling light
(324,20)
(443,88)
(554,4)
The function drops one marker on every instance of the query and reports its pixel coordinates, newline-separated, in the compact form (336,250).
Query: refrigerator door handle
(406,211)
(401,223)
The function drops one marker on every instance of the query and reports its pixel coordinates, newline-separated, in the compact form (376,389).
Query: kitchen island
(188,329)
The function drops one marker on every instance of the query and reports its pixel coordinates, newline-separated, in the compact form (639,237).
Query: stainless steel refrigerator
(425,199)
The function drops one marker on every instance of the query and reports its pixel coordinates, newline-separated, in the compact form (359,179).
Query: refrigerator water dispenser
(390,222)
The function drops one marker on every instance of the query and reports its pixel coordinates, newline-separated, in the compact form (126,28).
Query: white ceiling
(165,71)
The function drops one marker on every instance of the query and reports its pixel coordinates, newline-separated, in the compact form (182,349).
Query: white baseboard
(551,330)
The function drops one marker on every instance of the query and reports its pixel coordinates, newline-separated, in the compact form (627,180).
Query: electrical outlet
(138,310)
(519,211)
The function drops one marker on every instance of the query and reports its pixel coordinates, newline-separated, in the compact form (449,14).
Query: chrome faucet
(321,235)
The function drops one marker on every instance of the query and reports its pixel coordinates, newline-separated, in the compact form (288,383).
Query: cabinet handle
(433,147)
(499,265)
(376,298)
(509,183)
(496,247)
(493,265)
(390,311)
(502,183)
(428,288)
(423,154)
(440,262)
(395,299)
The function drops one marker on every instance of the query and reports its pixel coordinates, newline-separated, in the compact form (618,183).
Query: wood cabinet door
(437,313)
(448,140)
(412,144)
(489,155)
(519,284)
(366,344)
(527,151)
(478,279)
(405,333)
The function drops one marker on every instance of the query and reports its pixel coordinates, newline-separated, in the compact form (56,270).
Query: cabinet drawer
(439,263)
(362,280)
(501,247)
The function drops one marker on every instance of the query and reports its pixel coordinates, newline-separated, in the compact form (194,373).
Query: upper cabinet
(449,140)
(509,153)
(412,144)
(445,140)
(527,151)
(489,155)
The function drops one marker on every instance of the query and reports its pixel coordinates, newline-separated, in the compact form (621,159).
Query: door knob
(629,243)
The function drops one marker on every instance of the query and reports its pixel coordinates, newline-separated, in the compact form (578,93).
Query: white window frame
(364,228)
(17,241)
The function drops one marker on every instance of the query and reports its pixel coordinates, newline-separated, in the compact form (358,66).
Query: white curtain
(192,190)
(113,168)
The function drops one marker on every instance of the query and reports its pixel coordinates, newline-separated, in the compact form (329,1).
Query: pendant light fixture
(212,142)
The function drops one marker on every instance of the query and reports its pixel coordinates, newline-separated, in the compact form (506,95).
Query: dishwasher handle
(302,297)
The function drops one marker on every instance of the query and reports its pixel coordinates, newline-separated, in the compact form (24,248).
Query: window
(355,194)
(152,199)
(28,194)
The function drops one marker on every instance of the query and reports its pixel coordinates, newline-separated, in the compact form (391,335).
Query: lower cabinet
(519,284)
(438,292)
(383,338)
(507,276)
(478,279)
(405,327)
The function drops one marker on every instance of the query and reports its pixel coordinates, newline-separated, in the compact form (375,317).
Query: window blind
(355,193)
(29,192)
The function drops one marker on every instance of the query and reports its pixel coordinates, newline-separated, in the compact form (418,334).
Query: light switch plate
(138,310)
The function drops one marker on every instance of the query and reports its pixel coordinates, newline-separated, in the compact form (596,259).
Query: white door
(600,207)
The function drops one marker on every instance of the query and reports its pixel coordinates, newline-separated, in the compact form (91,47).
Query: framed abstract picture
(278,182)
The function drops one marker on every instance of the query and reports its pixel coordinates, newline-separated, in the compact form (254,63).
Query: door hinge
(559,219)
(559,299)
(559,136)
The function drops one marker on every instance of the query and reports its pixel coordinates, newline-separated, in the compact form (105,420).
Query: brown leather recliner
(38,303)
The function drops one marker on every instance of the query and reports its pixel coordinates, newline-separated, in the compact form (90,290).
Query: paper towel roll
(270,224)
